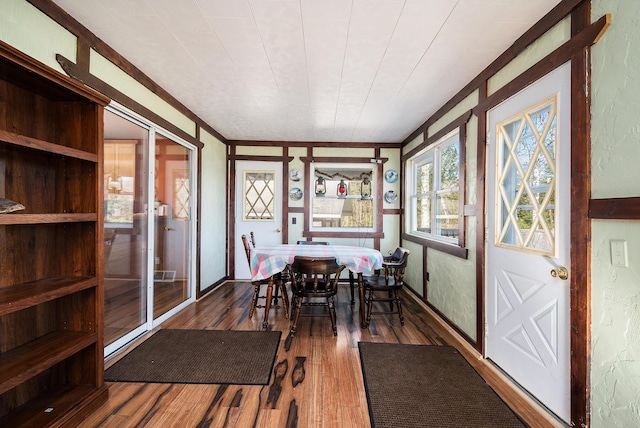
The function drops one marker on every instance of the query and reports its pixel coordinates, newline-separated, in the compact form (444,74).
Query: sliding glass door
(126,150)
(148,226)
(173,221)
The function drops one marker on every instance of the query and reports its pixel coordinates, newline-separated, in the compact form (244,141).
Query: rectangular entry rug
(200,356)
(428,386)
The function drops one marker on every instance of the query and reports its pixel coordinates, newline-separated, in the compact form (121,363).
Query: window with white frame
(433,192)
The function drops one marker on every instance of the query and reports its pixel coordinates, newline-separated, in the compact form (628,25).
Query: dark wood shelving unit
(51,280)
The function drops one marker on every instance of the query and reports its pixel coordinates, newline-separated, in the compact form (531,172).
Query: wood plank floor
(317,379)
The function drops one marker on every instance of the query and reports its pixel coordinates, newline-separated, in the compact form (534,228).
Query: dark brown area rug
(200,356)
(428,386)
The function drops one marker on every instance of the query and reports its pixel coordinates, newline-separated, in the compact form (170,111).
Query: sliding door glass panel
(126,146)
(172,213)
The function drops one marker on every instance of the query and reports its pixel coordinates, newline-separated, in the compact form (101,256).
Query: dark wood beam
(456,123)
(615,208)
(357,145)
(580,282)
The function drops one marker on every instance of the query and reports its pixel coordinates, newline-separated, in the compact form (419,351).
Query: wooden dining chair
(257,285)
(386,285)
(312,278)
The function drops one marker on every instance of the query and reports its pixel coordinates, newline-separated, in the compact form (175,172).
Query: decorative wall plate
(391,175)
(390,196)
(295,193)
(295,175)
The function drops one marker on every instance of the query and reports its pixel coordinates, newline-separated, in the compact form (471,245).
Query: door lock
(561,272)
(278,230)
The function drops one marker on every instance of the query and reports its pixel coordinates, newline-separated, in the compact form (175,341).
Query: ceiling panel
(310,70)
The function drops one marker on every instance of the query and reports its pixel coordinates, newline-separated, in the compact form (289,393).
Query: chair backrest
(397,255)
(395,268)
(312,243)
(247,248)
(315,275)
(253,239)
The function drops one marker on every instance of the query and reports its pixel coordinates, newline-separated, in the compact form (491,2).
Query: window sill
(447,248)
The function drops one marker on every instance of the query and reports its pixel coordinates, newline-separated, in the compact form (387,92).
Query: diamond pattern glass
(259,195)
(527,179)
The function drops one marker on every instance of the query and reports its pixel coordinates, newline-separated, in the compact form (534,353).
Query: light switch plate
(619,256)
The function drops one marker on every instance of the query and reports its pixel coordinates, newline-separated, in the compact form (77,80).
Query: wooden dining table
(267,261)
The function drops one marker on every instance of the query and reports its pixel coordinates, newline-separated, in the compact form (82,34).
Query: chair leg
(369,308)
(396,293)
(254,300)
(297,301)
(275,294)
(285,299)
(391,301)
(332,314)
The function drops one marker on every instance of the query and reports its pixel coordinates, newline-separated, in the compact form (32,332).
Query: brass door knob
(561,272)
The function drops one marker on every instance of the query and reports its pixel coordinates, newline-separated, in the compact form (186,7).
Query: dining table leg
(267,304)
(361,294)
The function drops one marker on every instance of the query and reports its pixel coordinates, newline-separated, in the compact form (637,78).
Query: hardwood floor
(124,307)
(317,379)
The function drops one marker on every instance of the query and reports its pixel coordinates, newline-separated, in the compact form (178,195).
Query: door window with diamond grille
(259,195)
(526,184)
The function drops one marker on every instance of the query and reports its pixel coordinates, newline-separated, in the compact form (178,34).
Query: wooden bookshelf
(51,280)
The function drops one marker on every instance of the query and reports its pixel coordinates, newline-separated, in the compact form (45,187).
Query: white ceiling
(310,70)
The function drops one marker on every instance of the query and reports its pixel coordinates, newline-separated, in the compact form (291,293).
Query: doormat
(428,386)
(200,356)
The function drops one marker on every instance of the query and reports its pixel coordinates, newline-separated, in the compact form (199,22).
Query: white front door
(258,208)
(528,239)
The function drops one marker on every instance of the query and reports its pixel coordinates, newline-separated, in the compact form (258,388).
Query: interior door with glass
(258,208)
(528,239)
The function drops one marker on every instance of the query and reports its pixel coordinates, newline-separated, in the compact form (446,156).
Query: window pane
(447,214)
(259,194)
(424,176)
(347,202)
(527,180)
(450,166)
(342,212)
(126,184)
(423,214)
(435,194)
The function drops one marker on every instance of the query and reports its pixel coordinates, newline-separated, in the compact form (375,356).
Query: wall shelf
(36,144)
(23,296)
(39,355)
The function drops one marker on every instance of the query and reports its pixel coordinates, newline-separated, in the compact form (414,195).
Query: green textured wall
(615,155)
